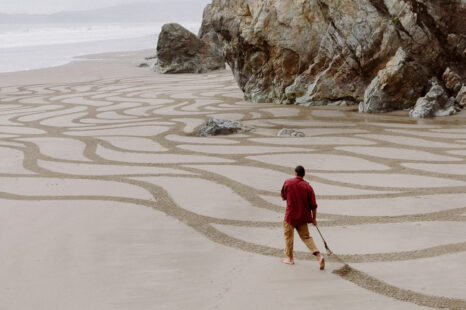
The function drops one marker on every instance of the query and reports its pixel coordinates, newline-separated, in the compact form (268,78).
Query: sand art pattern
(391,194)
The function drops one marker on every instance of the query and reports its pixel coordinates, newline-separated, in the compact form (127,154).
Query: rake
(329,252)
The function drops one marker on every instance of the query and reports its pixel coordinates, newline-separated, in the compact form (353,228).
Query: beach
(109,200)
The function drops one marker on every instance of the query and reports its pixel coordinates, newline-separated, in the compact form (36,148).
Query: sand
(108,200)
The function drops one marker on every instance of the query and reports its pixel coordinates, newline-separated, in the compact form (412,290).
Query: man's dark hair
(300,171)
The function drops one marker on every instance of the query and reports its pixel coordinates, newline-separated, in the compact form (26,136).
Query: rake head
(329,252)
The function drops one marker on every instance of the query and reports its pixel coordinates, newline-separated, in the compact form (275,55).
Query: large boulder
(314,52)
(207,31)
(214,58)
(181,51)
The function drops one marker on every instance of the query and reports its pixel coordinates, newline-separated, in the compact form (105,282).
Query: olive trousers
(303,232)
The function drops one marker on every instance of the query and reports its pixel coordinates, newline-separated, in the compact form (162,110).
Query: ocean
(28,47)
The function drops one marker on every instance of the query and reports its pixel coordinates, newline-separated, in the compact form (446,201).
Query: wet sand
(108,200)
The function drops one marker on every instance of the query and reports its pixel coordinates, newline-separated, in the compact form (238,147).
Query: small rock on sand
(286,132)
(215,127)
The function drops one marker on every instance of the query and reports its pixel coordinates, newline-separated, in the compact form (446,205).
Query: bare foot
(288,261)
(322,263)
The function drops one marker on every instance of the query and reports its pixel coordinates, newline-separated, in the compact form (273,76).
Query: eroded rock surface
(452,80)
(435,103)
(461,97)
(215,127)
(396,86)
(381,52)
(181,51)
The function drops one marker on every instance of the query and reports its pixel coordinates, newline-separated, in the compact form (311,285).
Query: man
(301,208)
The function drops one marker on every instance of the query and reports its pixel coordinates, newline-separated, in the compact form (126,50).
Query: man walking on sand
(301,208)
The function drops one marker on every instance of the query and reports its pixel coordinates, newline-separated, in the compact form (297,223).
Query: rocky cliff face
(383,53)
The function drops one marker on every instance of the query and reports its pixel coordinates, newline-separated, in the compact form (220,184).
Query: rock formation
(395,86)
(311,52)
(288,132)
(461,97)
(435,103)
(215,127)
(180,51)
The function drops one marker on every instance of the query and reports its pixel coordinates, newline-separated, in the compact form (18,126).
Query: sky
(52,6)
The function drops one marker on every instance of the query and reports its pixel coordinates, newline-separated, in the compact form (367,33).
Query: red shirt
(300,200)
